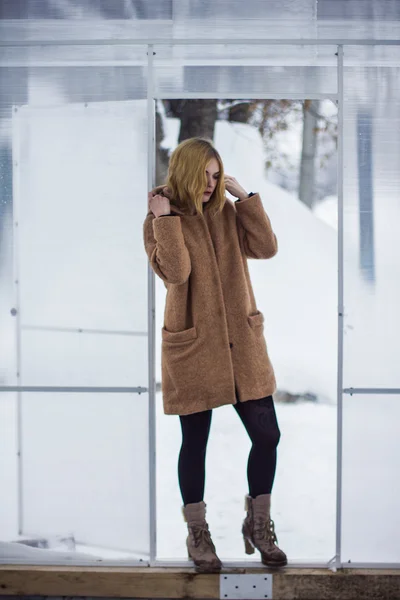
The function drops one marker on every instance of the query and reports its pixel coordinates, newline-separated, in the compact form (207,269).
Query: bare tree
(308,152)
(197,117)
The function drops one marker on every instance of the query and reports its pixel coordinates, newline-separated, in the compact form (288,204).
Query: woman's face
(212,173)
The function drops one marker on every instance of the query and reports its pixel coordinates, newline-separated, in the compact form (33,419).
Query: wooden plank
(345,584)
(124,582)
(145,582)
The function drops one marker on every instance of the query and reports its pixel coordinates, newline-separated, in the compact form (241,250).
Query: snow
(327,211)
(90,444)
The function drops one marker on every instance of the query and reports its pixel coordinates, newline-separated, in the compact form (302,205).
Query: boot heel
(249,548)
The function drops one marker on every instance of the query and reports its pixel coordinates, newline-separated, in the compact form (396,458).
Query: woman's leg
(192,456)
(259,419)
(191,471)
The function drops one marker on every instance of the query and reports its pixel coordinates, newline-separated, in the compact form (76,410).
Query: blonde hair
(187,180)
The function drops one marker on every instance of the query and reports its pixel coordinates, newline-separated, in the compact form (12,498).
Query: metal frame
(241,96)
(339,414)
(151,116)
(200,42)
(17,308)
(354,391)
(152,97)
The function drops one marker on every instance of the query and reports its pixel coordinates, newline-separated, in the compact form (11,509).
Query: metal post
(340,315)
(231,41)
(16,310)
(151,317)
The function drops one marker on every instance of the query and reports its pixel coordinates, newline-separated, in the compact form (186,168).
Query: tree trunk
(307,165)
(198,118)
(365,194)
(161,153)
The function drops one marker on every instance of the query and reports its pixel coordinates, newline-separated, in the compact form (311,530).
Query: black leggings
(259,419)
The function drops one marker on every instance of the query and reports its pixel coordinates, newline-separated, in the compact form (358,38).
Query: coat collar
(161,189)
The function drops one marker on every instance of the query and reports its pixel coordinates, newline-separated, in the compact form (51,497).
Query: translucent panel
(87,10)
(77,206)
(83,359)
(84,475)
(275,18)
(7,320)
(69,196)
(371,216)
(96,25)
(371,483)
(73,306)
(129,62)
(352,19)
(141,19)
(8,466)
(53,76)
(245,69)
(282,19)
(85,470)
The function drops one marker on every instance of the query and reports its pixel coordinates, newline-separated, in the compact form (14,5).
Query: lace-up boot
(259,531)
(199,543)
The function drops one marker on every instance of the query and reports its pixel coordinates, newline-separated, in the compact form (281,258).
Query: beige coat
(213,333)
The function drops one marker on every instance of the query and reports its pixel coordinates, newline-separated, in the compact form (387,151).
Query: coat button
(230,345)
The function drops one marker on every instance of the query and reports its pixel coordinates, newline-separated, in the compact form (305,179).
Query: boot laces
(265,529)
(201,534)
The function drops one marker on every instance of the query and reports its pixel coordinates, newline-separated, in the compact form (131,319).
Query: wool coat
(213,344)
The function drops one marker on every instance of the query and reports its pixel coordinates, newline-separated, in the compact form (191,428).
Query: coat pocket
(180,362)
(177,337)
(256,320)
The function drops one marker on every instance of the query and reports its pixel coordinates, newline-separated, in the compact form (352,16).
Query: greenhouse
(93,96)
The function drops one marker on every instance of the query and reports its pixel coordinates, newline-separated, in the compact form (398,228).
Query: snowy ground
(85,457)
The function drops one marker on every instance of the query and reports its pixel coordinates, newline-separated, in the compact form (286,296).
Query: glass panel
(275,18)
(7,321)
(245,69)
(83,359)
(371,467)
(280,19)
(79,55)
(85,10)
(74,308)
(54,75)
(141,19)
(371,216)
(79,258)
(138,22)
(8,466)
(84,460)
(352,19)
(80,252)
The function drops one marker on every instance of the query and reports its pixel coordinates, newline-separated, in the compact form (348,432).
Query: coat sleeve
(254,228)
(166,249)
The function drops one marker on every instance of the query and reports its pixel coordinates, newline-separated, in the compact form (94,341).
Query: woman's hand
(235,188)
(159,205)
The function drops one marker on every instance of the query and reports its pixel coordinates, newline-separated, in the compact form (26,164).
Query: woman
(213,346)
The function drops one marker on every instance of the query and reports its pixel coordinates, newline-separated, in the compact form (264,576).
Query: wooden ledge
(166,582)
